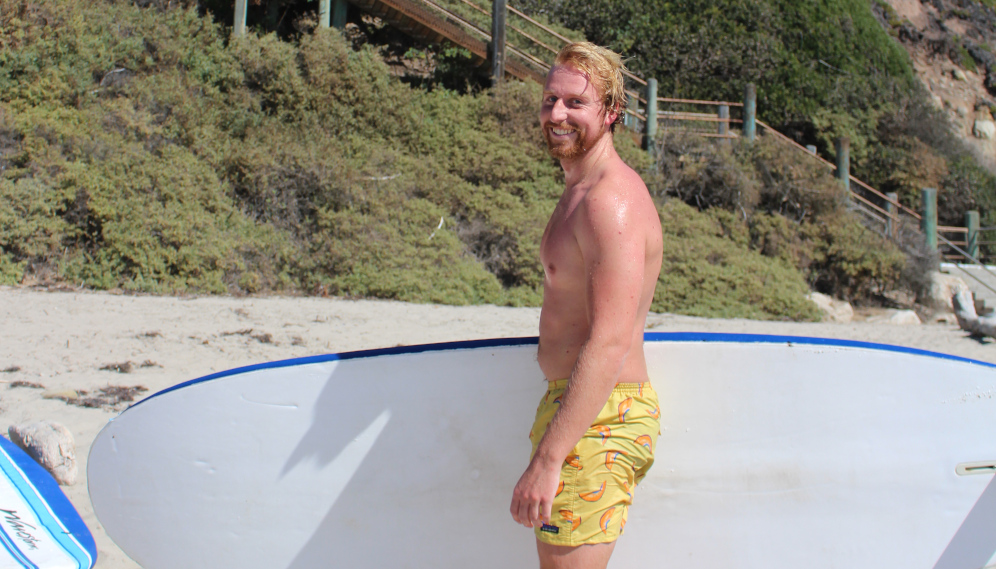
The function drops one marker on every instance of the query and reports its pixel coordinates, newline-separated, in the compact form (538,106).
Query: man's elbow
(612,347)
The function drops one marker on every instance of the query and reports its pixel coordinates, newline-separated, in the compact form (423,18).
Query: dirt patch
(912,10)
(943,41)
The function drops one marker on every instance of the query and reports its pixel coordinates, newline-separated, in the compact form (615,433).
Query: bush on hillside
(803,56)
(823,70)
(709,270)
(204,167)
(788,207)
(141,149)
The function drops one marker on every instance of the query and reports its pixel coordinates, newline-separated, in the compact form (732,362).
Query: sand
(61,340)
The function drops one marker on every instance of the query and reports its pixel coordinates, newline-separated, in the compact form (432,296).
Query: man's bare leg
(594,556)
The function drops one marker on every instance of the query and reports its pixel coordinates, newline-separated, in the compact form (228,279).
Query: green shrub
(708,270)
(141,149)
(852,262)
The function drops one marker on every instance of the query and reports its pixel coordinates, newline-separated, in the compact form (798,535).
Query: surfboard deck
(39,527)
(775,452)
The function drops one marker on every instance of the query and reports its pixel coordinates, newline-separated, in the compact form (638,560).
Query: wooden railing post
(650,130)
(724,120)
(928,221)
(629,119)
(972,237)
(499,11)
(892,218)
(750,112)
(239,26)
(339,14)
(842,146)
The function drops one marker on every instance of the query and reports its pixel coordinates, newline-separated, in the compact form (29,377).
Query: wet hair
(604,69)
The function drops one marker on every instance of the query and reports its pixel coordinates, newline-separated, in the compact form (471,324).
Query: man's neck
(580,169)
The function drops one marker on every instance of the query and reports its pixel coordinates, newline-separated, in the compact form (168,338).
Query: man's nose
(559,111)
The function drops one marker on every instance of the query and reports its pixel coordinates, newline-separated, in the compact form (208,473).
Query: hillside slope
(951,48)
(140,149)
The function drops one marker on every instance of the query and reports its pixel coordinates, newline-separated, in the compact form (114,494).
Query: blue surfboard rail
(533,340)
(41,492)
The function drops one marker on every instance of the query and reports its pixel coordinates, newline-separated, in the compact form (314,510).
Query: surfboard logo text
(20,528)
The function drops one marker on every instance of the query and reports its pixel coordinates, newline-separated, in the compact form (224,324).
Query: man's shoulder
(621,184)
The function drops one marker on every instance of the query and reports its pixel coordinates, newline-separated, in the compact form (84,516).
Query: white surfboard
(775,452)
(39,528)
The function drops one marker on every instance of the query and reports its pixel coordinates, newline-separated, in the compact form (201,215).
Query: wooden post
(650,130)
(239,27)
(892,218)
(750,112)
(928,221)
(724,117)
(339,14)
(843,148)
(633,105)
(972,237)
(499,10)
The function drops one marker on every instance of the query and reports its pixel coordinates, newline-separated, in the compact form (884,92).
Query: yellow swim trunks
(598,478)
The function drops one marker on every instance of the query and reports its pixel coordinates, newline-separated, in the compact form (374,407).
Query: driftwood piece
(968,319)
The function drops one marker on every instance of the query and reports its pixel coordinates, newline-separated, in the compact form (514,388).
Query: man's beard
(568,149)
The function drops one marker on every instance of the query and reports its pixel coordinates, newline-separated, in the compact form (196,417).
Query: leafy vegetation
(804,57)
(142,149)
(823,70)
(780,206)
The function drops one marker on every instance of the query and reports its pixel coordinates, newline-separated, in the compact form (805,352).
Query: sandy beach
(54,343)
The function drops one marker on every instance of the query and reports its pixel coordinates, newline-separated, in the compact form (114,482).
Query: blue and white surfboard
(39,528)
(775,453)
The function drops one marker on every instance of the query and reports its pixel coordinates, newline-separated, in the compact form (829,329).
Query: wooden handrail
(696,118)
(884,197)
(896,203)
(534,40)
(538,25)
(696,102)
(636,96)
(868,202)
(566,40)
(487,35)
(793,143)
(458,18)
(639,80)
(529,37)
(546,29)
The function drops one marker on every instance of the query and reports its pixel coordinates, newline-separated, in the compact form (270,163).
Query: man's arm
(613,248)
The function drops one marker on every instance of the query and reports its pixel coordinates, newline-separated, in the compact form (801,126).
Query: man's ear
(611,114)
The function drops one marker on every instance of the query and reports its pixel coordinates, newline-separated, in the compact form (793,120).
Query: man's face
(573,116)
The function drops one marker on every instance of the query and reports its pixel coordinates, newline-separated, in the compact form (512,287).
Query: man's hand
(533,496)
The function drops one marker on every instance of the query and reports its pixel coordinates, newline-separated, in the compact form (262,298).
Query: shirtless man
(601,252)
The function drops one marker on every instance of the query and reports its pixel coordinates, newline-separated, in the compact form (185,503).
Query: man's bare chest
(559,249)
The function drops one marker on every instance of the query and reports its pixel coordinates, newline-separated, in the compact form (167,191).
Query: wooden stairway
(429,22)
